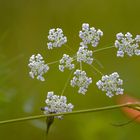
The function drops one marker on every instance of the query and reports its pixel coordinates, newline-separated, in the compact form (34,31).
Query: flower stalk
(134,106)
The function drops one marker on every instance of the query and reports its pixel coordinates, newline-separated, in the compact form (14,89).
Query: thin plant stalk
(53,62)
(80,65)
(66,83)
(106,48)
(97,70)
(112,107)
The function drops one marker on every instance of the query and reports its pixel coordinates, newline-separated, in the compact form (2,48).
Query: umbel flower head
(56,38)
(38,67)
(57,104)
(84,55)
(90,35)
(127,44)
(111,84)
(66,62)
(81,80)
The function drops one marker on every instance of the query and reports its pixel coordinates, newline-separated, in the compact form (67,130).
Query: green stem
(69,48)
(80,65)
(53,62)
(98,62)
(126,123)
(97,70)
(98,50)
(129,105)
(67,82)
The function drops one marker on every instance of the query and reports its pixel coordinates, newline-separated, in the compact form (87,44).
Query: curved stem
(126,123)
(129,105)
(98,50)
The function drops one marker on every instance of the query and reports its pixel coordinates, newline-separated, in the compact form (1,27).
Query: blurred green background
(24,26)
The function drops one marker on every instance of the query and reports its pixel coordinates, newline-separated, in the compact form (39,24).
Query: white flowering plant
(111,84)
(56,105)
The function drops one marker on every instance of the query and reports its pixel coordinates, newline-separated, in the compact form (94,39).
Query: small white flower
(126,44)
(38,67)
(90,35)
(66,62)
(56,38)
(83,45)
(111,84)
(137,38)
(84,55)
(81,80)
(57,104)
(119,36)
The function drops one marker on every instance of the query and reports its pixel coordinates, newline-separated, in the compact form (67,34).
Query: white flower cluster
(38,67)
(56,38)
(90,35)
(126,44)
(66,62)
(111,84)
(81,80)
(84,55)
(57,104)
